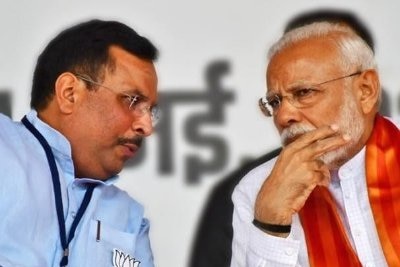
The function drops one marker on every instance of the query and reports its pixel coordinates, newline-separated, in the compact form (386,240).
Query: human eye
(131,100)
(304,94)
(274,101)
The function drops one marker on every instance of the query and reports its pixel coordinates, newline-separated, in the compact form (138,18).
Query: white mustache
(290,133)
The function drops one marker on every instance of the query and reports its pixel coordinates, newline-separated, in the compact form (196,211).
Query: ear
(66,92)
(368,90)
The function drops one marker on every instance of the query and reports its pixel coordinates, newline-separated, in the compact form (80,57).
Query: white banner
(211,71)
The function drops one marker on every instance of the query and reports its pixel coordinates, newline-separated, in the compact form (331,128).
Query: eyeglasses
(135,103)
(299,97)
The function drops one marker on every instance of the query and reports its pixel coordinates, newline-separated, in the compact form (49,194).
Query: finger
(312,136)
(321,172)
(317,164)
(321,147)
(328,141)
(324,176)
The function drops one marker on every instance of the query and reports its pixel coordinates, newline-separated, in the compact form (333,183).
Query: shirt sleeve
(251,246)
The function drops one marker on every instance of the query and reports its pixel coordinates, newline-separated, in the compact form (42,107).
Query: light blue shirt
(29,231)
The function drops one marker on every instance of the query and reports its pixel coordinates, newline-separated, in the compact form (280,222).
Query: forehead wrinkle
(133,69)
(289,86)
(300,83)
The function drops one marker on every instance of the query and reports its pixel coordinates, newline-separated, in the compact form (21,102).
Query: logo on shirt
(122,259)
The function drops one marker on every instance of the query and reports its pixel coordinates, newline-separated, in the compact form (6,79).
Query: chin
(114,170)
(335,159)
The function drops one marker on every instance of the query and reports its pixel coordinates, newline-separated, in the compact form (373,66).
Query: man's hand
(297,171)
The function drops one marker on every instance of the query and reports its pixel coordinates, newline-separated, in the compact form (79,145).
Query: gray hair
(352,48)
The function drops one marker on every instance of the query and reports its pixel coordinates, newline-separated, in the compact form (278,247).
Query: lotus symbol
(120,259)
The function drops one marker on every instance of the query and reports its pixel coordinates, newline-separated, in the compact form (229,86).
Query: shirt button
(347,195)
(289,251)
(73,214)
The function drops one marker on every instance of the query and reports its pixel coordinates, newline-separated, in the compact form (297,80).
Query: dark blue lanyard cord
(57,194)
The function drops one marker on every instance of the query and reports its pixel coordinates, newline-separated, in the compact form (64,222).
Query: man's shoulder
(13,138)
(259,173)
(395,121)
(10,129)
(6,123)
(4,117)
(251,183)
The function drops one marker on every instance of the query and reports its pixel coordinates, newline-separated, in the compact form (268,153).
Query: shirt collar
(109,181)
(353,167)
(55,139)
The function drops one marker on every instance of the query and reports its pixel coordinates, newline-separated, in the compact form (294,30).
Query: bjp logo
(120,259)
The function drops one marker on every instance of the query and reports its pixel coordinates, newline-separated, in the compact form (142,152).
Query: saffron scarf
(326,239)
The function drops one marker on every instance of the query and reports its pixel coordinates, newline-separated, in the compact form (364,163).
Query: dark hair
(335,16)
(84,48)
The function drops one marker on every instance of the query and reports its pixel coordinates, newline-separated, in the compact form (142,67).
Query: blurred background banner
(211,73)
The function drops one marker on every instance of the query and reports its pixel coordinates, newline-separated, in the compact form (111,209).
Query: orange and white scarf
(326,238)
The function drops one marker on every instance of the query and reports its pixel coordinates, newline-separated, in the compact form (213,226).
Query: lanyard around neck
(57,194)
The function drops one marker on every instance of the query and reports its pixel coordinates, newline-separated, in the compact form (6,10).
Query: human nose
(287,113)
(143,125)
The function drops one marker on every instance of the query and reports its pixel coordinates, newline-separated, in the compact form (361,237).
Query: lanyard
(57,194)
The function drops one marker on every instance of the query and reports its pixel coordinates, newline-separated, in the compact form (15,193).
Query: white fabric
(253,248)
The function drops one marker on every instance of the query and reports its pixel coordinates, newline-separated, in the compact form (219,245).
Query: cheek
(113,123)
(277,125)
(322,118)
(101,121)
(327,111)
(106,120)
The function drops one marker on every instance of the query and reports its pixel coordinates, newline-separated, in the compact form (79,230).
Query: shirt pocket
(103,239)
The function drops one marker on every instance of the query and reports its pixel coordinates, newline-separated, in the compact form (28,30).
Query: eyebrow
(136,92)
(302,83)
(142,97)
(302,86)
(294,86)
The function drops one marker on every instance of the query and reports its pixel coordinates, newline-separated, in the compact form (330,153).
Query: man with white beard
(332,196)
